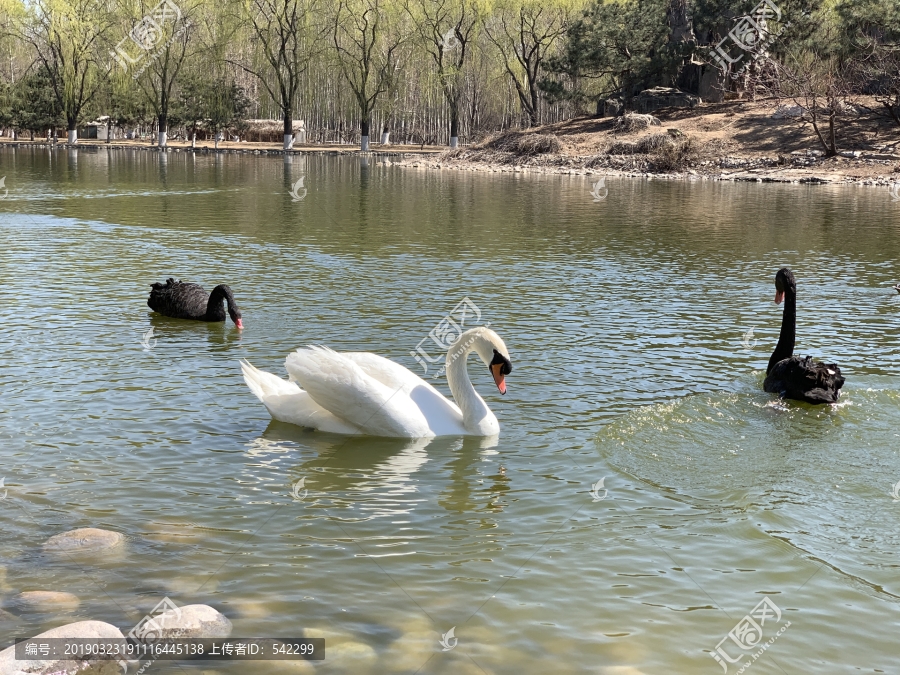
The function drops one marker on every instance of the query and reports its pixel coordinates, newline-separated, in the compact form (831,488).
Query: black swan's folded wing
(802,379)
(178,300)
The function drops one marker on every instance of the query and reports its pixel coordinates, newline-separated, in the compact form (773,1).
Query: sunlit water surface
(627,321)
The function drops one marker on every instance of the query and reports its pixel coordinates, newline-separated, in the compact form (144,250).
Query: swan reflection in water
(382,476)
(218,336)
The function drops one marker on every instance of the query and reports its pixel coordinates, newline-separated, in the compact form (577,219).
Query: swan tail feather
(264,384)
(286,402)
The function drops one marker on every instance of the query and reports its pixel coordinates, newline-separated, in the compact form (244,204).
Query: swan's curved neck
(214,304)
(785,347)
(477,417)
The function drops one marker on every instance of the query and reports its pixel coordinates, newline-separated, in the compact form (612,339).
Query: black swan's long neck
(785,347)
(214,309)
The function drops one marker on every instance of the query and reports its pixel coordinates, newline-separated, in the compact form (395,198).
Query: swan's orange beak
(499,379)
(779,297)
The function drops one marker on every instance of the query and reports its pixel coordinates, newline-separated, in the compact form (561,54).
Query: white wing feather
(354,393)
(342,387)
(443,415)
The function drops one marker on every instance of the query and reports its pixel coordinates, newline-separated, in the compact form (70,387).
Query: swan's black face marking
(784,280)
(500,366)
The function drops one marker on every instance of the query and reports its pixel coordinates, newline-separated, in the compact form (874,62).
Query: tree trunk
(364,129)
(832,151)
(193,139)
(815,126)
(288,128)
(71,130)
(72,136)
(533,112)
(454,125)
(163,130)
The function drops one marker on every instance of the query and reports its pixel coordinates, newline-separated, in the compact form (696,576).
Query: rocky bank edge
(761,141)
(183,622)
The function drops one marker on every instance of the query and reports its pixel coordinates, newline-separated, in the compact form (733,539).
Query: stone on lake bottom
(351,655)
(80,629)
(194,621)
(47,600)
(83,539)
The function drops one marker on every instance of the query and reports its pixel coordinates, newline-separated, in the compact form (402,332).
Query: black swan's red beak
(239,324)
(779,297)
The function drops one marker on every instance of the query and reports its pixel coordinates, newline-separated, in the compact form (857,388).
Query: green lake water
(627,320)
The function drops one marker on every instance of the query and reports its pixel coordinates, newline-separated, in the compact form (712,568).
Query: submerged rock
(84,539)
(81,629)
(351,655)
(44,601)
(193,621)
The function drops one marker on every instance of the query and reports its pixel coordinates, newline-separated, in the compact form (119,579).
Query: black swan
(189,301)
(796,377)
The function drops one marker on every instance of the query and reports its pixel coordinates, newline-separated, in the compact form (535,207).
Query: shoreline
(225,147)
(793,166)
(763,141)
(755,172)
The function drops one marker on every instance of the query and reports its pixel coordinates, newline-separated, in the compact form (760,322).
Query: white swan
(363,393)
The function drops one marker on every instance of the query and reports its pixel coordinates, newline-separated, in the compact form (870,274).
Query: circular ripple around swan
(705,444)
(817,477)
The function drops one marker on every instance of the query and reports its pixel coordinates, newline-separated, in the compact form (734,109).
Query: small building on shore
(98,129)
(269,131)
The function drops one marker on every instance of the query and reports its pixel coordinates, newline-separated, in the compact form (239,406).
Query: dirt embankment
(764,140)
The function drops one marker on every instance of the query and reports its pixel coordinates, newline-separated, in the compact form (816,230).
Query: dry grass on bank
(710,137)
